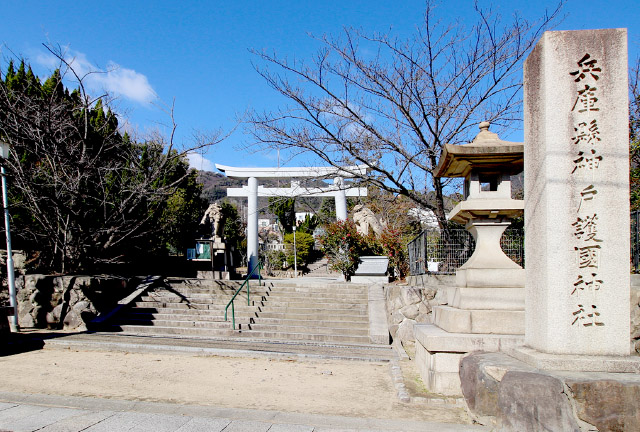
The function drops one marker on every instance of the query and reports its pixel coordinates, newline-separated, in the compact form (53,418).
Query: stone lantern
(485,308)
(489,280)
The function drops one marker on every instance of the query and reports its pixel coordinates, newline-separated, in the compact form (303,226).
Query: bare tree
(84,194)
(392,104)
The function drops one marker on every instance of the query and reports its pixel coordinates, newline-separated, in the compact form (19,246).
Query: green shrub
(304,247)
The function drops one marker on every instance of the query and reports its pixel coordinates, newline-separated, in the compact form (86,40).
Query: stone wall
(412,303)
(68,302)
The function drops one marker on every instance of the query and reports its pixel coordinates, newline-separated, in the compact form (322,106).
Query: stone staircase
(321,312)
(189,308)
(283,310)
(320,268)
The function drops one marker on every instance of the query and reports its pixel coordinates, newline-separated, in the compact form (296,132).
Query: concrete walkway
(46,413)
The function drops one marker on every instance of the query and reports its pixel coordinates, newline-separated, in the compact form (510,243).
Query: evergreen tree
(285,210)
(83,195)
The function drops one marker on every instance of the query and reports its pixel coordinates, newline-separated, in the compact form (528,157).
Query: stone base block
(439,371)
(488,298)
(213,275)
(490,277)
(582,363)
(438,355)
(435,339)
(455,320)
(370,279)
(513,396)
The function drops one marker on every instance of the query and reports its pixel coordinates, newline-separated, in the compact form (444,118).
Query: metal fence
(432,252)
(635,241)
(435,251)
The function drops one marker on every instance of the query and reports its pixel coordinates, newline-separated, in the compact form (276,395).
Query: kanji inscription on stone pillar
(577,193)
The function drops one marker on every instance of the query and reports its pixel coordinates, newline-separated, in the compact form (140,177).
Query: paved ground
(48,413)
(65,387)
(106,382)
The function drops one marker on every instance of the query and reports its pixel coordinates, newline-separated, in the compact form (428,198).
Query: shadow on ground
(28,340)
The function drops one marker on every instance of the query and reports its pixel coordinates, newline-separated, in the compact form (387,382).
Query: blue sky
(196,53)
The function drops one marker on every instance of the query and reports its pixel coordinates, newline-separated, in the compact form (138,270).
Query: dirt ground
(333,387)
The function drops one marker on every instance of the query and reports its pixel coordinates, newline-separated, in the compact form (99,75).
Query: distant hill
(214,189)
(214,185)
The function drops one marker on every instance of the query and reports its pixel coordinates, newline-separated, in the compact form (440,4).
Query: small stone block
(372,266)
(444,362)
(433,339)
(455,320)
(444,383)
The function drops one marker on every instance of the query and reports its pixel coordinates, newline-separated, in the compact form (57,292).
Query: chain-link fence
(435,251)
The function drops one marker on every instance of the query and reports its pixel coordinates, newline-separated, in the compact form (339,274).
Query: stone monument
(366,220)
(577,196)
(211,247)
(212,218)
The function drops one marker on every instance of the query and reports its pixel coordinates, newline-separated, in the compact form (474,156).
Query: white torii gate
(339,190)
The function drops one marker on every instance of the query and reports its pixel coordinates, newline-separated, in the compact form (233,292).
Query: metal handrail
(246,281)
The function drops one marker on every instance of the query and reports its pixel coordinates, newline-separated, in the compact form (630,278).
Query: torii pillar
(252,191)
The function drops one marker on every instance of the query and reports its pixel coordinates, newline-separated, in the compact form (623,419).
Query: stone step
(301,283)
(319,316)
(199,300)
(325,320)
(177,323)
(294,291)
(177,314)
(311,309)
(202,298)
(274,303)
(199,306)
(362,324)
(318,289)
(320,297)
(284,336)
(318,330)
(212,346)
(168,298)
(182,331)
(190,312)
(195,291)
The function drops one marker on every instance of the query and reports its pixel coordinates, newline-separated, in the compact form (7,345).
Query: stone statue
(365,219)
(213,216)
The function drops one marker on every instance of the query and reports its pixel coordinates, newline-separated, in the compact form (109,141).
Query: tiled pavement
(46,413)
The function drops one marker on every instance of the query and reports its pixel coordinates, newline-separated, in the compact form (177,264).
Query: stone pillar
(577,193)
(252,223)
(341,199)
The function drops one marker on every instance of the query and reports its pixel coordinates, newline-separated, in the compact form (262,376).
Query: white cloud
(198,162)
(128,83)
(116,80)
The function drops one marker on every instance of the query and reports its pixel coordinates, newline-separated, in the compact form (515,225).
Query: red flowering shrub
(395,249)
(343,246)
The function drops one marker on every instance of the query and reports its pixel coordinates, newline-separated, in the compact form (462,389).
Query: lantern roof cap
(487,153)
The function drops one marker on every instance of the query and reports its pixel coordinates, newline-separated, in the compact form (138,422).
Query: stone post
(577,193)
(341,199)
(252,223)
